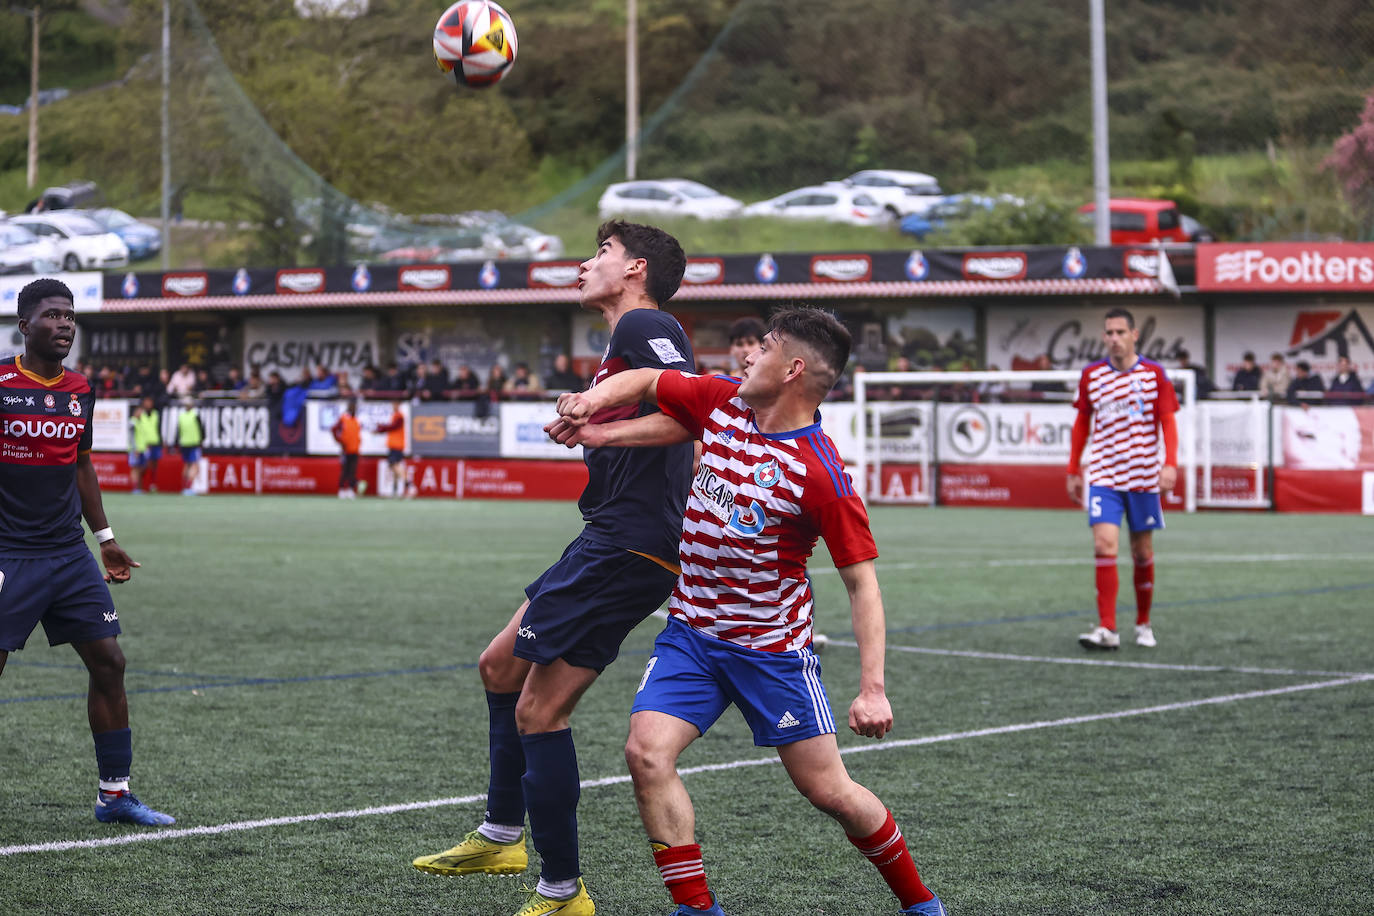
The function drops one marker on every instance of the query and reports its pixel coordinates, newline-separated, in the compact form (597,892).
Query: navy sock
(551,793)
(114,754)
(505,796)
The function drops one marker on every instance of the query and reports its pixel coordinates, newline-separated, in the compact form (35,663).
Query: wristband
(104,534)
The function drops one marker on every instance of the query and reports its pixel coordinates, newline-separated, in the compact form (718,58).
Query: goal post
(980,418)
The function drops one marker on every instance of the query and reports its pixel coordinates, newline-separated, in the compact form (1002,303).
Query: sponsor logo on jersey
(12,399)
(666,350)
(1009,265)
(715,493)
(185,284)
(423,278)
(24,428)
(526,633)
(111,616)
(49,401)
(843,269)
(300,281)
(8,375)
(74,406)
(748,521)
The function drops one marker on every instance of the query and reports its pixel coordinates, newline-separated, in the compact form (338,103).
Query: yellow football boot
(579,904)
(477,854)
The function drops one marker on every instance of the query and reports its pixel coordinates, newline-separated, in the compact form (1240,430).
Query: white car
(22,252)
(899,192)
(832,202)
(667,197)
(82,243)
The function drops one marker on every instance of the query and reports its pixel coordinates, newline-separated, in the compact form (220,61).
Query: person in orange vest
(349,434)
(395,430)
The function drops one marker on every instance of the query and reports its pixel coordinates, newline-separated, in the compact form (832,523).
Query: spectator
(394,381)
(323,385)
(497,382)
(148,443)
(182,382)
(348,432)
(1248,375)
(370,382)
(1304,381)
(1274,382)
(253,386)
(563,378)
(233,380)
(203,382)
(274,389)
(1042,363)
(1346,381)
(991,391)
(161,396)
(436,381)
(1205,386)
(524,384)
(746,335)
(466,383)
(190,434)
(418,376)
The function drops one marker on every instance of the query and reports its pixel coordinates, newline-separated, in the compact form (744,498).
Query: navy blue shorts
(1143,511)
(582,607)
(695,677)
(190,454)
(395,456)
(65,591)
(152,453)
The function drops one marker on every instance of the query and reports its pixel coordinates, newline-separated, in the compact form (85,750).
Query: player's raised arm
(650,430)
(870,714)
(629,387)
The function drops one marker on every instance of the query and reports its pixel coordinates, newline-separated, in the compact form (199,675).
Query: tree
(1352,159)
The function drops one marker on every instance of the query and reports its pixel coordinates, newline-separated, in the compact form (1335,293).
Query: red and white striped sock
(1106,590)
(1144,590)
(886,849)
(683,874)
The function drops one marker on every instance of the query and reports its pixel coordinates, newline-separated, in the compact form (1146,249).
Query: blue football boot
(127,809)
(931,907)
(715,910)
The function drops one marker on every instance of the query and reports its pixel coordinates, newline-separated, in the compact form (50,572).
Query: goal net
(1002,439)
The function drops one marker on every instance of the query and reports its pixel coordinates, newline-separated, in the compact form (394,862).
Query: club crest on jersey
(74,406)
(768,473)
(49,401)
(747,521)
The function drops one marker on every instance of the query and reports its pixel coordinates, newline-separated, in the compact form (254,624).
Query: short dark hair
(1183,354)
(1249,354)
(748,326)
(819,330)
(1304,365)
(40,289)
(661,253)
(1121,313)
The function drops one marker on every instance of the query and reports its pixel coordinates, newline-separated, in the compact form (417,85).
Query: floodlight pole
(32,173)
(1102,232)
(631,86)
(166,133)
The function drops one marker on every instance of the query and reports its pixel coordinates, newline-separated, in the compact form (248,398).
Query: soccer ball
(475,41)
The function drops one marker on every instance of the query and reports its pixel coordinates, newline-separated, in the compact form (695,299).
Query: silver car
(22,252)
(82,243)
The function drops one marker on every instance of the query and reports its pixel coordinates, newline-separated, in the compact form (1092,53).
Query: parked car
(22,252)
(666,197)
(899,192)
(507,241)
(69,196)
(832,202)
(1195,230)
(1141,221)
(143,240)
(523,243)
(950,209)
(81,241)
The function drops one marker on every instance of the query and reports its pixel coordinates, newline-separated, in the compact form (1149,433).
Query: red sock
(887,851)
(1144,590)
(1106,591)
(683,874)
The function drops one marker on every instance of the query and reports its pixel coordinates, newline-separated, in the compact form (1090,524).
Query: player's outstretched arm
(119,566)
(629,387)
(654,429)
(870,714)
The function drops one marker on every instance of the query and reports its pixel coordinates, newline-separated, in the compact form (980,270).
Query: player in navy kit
(575,616)
(47,573)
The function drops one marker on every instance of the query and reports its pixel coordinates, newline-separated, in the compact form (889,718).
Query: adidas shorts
(582,607)
(66,591)
(695,677)
(1143,511)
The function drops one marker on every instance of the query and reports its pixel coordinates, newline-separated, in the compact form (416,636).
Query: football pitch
(305,700)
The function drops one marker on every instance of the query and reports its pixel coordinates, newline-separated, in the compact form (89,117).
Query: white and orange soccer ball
(475,41)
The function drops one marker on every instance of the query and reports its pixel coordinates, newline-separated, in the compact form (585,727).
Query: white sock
(557,890)
(500,833)
(118,785)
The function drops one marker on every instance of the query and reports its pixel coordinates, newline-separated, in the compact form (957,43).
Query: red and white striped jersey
(758,504)
(1126,408)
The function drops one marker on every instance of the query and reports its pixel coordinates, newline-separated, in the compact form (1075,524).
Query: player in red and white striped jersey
(1129,404)
(769,484)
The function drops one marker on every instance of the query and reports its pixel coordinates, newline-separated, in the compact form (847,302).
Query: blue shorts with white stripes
(694,677)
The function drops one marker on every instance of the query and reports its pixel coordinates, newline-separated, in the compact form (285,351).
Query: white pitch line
(1163,559)
(212,830)
(1108,663)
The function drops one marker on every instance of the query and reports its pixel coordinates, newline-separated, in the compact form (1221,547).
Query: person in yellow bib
(190,435)
(148,445)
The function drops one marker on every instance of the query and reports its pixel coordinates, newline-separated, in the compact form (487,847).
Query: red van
(1140,221)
